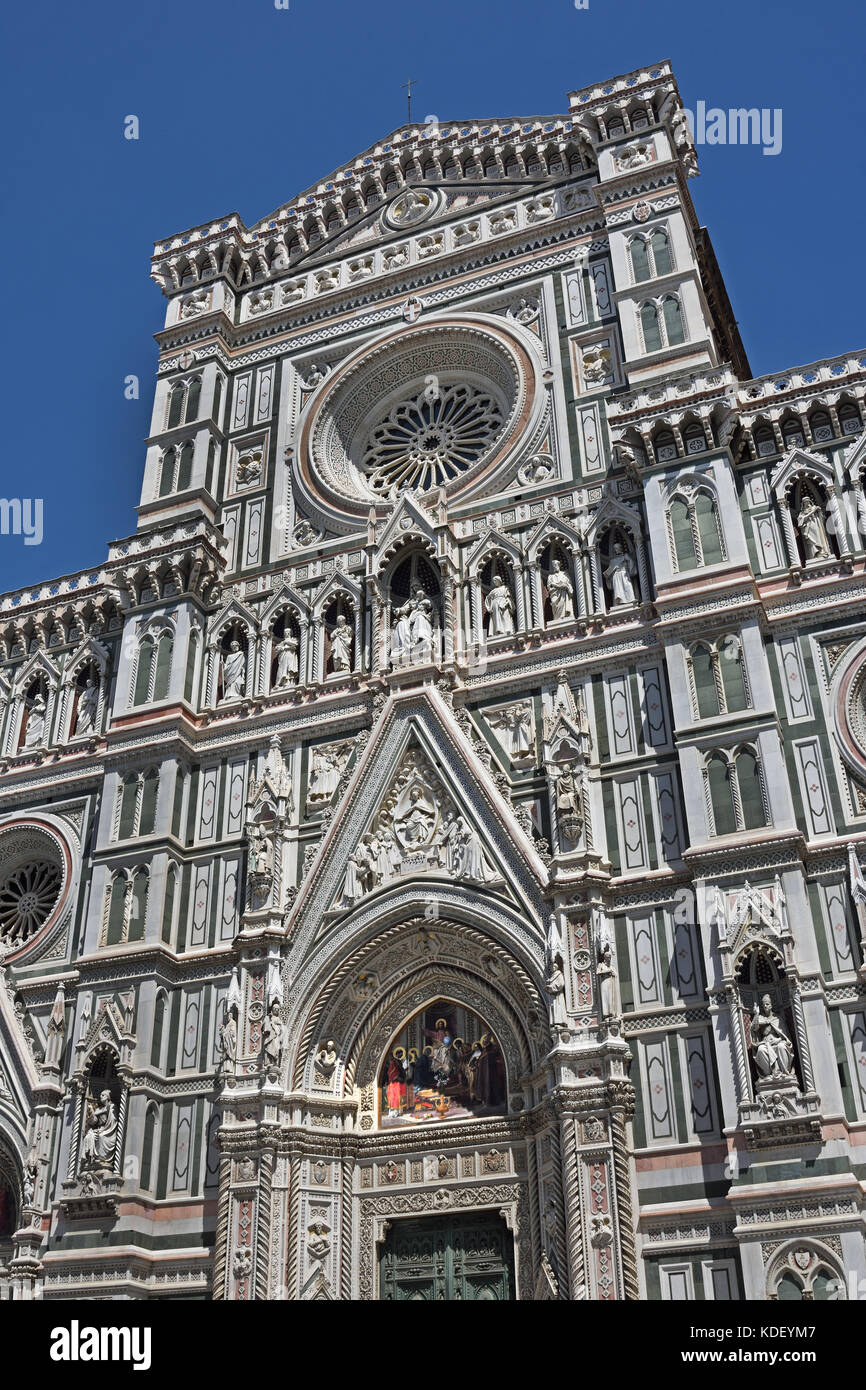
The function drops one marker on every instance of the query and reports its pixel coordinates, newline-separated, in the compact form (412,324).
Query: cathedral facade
(430,845)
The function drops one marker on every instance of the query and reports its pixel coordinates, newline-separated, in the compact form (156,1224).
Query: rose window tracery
(28,895)
(430,439)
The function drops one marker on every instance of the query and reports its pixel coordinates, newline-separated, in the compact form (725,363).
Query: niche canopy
(443,405)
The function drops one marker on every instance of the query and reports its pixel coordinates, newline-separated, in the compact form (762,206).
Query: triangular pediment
(232,612)
(409,522)
(90,650)
(420,791)
(493,542)
(286,597)
(798,461)
(36,665)
(551,527)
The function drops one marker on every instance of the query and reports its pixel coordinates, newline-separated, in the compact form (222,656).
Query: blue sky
(242,105)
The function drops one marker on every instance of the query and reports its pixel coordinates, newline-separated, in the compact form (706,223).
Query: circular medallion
(412,206)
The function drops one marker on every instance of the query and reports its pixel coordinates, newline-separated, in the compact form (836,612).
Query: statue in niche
(554,975)
(229,1043)
(234,670)
(412,633)
(605,973)
(519,726)
(619,573)
(569,804)
(287,662)
(261,850)
(100,1135)
(774,1054)
(561,593)
(810,524)
(500,609)
(341,644)
(88,704)
(34,734)
(272,1032)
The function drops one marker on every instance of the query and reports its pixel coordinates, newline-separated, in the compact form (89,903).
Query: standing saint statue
(287,662)
(813,531)
(234,664)
(341,644)
(88,702)
(618,572)
(500,609)
(560,592)
(35,731)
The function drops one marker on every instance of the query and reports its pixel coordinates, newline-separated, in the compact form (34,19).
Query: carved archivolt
(385,980)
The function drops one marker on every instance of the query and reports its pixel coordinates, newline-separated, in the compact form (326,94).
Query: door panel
(448,1258)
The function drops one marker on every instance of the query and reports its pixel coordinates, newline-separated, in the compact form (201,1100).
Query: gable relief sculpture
(417,830)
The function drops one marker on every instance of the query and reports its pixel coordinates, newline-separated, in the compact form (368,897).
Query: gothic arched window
(661,253)
(649,322)
(673,320)
(640,264)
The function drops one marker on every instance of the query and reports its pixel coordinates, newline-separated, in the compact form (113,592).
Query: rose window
(28,895)
(429,440)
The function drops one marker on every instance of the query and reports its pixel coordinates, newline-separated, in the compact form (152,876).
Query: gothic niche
(810,513)
(339,637)
(558,589)
(769,1028)
(232,666)
(497,599)
(100,1124)
(619,568)
(415,612)
(445,1064)
(34,732)
(285,648)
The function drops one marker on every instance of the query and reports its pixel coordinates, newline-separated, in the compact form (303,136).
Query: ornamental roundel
(443,404)
(35,866)
(412,206)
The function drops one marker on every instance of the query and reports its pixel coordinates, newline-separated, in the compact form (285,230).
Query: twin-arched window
(695,533)
(183,400)
(662,323)
(650,256)
(153,668)
(175,471)
(735,791)
(719,683)
(137,804)
(126,906)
